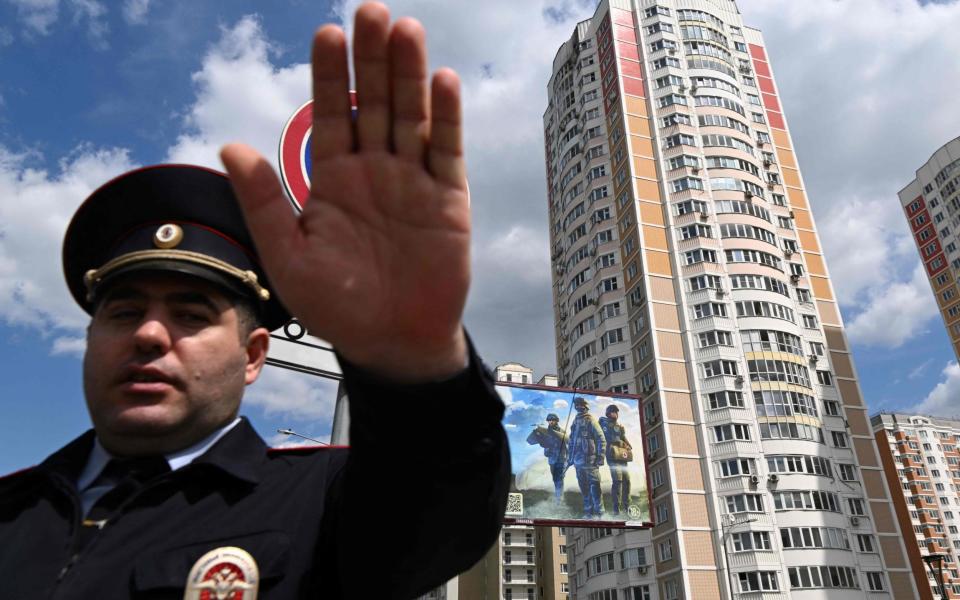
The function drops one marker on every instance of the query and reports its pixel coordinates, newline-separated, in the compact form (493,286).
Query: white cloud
(919,370)
(895,313)
(292,395)
(944,400)
(37,15)
(93,13)
(135,11)
(74,346)
(34,213)
(850,103)
(6,38)
(240,96)
(281,440)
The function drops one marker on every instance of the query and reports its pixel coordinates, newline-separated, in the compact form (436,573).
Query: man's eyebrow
(193,298)
(122,293)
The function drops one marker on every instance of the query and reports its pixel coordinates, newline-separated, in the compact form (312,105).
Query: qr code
(515,504)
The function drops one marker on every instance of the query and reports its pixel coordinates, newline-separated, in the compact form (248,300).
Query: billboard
(577,457)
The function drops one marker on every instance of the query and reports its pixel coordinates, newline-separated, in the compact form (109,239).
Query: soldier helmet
(612,408)
(580,401)
(553,417)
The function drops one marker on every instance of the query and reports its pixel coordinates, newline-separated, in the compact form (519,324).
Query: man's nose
(152,335)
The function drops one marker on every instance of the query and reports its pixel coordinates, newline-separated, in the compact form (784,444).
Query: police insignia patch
(226,573)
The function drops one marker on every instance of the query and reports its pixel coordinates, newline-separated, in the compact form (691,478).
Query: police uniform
(586,450)
(319,523)
(616,437)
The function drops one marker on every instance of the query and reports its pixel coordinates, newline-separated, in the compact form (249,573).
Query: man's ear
(258,343)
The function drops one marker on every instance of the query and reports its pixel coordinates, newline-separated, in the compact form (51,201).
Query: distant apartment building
(922,464)
(687,269)
(931,203)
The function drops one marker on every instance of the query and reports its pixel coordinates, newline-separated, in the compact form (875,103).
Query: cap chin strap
(93,277)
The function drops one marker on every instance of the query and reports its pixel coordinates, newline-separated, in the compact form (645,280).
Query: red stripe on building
(628,51)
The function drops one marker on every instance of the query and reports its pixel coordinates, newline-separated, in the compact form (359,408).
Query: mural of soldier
(586,452)
(619,454)
(553,440)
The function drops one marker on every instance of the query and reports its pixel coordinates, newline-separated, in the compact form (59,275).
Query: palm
(378,262)
(384,248)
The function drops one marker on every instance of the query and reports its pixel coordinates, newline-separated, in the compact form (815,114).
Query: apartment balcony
(519,543)
(522,581)
(754,558)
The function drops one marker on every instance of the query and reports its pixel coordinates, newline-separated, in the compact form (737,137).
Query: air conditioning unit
(744,69)
(682,89)
(738,379)
(591,300)
(771,185)
(788,252)
(721,293)
(854,521)
(792,216)
(694,170)
(814,358)
(671,51)
(795,278)
(642,569)
(747,195)
(766,163)
(704,216)
(773,478)
(754,479)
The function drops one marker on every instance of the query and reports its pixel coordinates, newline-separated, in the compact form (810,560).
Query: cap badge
(168,235)
(226,573)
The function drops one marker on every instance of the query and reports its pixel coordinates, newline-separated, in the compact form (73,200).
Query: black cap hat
(173,218)
(612,408)
(580,401)
(552,417)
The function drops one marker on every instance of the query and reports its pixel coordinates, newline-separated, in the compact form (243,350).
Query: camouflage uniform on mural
(619,454)
(586,452)
(552,439)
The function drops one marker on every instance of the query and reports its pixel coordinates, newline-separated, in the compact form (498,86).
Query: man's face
(165,363)
(613,415)
(580,407)
(553,422)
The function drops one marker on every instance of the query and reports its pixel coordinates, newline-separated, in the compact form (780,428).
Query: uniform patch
(226,573)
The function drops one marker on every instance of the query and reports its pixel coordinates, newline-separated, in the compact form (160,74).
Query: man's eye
(193,317)
(123,313)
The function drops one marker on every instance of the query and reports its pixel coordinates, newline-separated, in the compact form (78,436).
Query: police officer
(618,449)
(555,454)
(585,452)
(184,272)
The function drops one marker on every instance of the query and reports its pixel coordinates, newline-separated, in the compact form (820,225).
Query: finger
(332,122)
(445,158)
(408,89)
(267,212)
(370,39)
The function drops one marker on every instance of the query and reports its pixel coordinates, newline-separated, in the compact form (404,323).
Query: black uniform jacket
(408,506)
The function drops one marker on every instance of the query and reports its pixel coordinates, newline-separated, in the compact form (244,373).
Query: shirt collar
(99,456)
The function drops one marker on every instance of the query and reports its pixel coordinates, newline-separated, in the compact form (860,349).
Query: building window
(665,549)
(875,581)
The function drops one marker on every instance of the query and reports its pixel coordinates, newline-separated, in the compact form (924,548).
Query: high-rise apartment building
(687,269)
(922,465)
(932,206)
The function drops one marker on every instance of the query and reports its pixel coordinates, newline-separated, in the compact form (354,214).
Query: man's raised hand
(378,262)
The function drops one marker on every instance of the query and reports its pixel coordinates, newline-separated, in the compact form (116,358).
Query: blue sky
(89,89)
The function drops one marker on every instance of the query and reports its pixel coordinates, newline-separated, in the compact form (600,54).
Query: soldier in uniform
(184,273)
(619,451)
(585,452)
(554,452)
